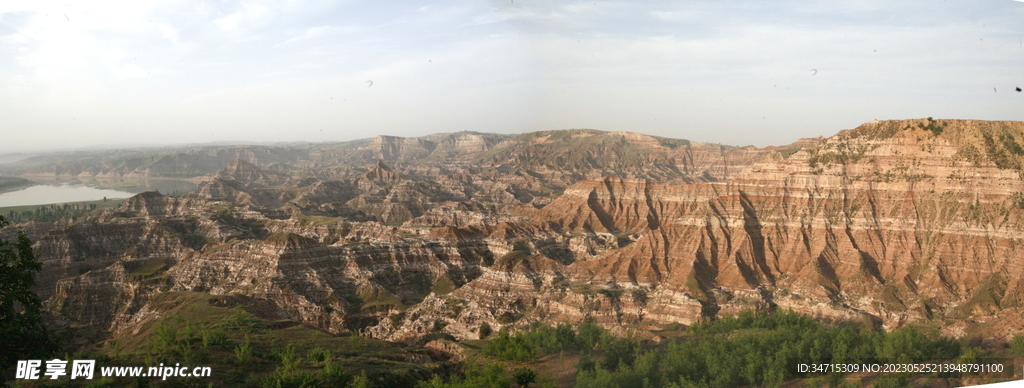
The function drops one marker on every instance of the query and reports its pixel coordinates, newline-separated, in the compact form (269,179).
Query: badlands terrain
(893,223)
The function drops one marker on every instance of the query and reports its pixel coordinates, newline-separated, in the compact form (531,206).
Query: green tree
(360,381)
(485,330)
(474,376)
(1017,344)
(21,321)
(524,376)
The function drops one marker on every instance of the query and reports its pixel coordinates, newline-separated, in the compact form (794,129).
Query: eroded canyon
(891,223)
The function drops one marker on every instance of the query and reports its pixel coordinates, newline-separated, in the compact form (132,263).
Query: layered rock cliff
(892,222)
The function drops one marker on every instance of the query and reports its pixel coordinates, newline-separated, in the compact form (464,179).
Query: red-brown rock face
(896,220)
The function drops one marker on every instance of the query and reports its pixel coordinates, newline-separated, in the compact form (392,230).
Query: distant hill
(415,239)
(574,154)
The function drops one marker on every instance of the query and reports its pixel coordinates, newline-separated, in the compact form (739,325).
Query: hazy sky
(735,72)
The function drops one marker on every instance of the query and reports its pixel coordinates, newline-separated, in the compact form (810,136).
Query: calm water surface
(54,192)
(44,194)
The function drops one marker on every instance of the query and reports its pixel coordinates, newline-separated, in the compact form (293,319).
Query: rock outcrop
(893,222)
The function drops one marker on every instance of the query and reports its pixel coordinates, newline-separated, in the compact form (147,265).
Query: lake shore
(8,184)
(27,213)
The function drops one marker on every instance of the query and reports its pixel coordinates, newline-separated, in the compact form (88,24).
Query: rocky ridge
(892,222)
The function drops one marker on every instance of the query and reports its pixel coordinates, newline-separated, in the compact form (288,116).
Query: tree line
(51,213)
(753,348)
(756,348)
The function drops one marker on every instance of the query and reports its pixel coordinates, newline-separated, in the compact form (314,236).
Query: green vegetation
(21,322)
(319,221)
(788,151)
(245,350)
(289,239)
(509,260)
(529,346)
(443,286)
(748,349)
(558,252)
(546,340)
(474,376)
(1010,143)
(485,330)
(520,251)
(755,348)
(837,151)
(54,212)
(510,348)
(524,376)
(248,228)
(119,185)
(1004,151)
(146,268)
(934,126)
(883,130)
(1017,344)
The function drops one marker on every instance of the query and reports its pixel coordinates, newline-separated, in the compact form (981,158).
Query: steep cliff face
(332,287)
(565,155)
(243,171)
(897,221)
(102,272)
(892,222)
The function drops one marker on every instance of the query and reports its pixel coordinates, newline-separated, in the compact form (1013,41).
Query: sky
(118,73)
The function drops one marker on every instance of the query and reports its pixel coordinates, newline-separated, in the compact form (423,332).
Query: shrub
(1018,200)
(524,376)
(485,330)
(509,348)
(243,351)
(215,337)
(289,360)
(1017,344)
(753,349)
(319,355)
(476,375)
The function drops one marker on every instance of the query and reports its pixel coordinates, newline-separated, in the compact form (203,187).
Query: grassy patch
(289,239)
(509,260)
(243,349)
(319,221)
(788,151)
(145,268)
(443,286)
(384,304)
(1003,150)
(119,185)
(693,285)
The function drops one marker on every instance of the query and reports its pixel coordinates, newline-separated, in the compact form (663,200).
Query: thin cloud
(250,13)
(319,32)
(674,16)
(284,70)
